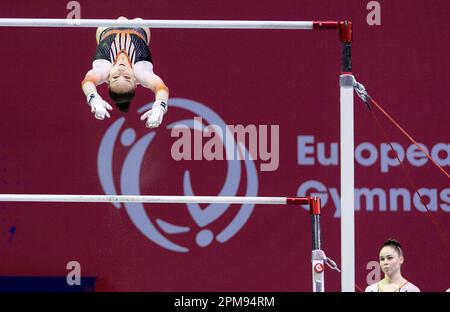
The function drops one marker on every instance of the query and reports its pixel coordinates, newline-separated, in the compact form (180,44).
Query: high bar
(156,199)
(226,24)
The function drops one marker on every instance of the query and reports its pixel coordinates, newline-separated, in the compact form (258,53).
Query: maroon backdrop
(49,144)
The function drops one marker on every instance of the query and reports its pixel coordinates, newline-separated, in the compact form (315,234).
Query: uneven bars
(226,24)
(156,199)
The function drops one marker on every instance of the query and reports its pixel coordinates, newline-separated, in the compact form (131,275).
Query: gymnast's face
(121,78)
(390,260)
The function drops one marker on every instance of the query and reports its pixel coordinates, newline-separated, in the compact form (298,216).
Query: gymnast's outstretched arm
(147,78)
(97,75)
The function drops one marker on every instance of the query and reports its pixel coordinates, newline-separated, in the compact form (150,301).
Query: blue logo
(158,230)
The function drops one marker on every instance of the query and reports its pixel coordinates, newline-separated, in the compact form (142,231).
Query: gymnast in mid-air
(123,60)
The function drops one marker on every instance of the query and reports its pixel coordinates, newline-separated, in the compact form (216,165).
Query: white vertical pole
(347,184)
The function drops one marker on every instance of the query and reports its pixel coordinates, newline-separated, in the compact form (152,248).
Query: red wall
(49,144)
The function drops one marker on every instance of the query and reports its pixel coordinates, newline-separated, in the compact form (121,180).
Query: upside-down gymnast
(123,60)
(391,260)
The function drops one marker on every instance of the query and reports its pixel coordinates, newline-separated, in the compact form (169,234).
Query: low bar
(154,199)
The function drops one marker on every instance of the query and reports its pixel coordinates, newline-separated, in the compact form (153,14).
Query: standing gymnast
(391,260)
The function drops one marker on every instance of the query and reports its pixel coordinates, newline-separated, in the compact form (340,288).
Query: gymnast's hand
(155,115)
(98,106)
